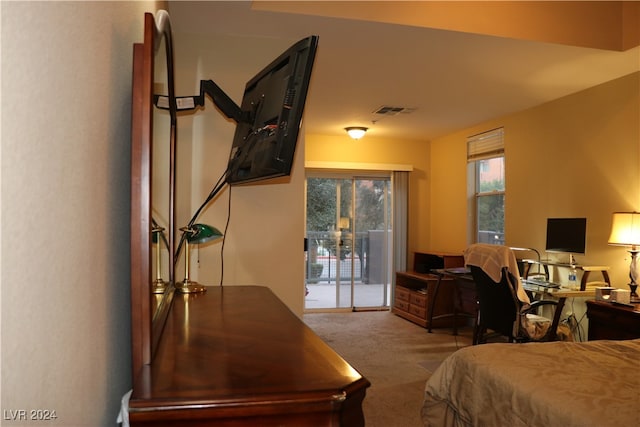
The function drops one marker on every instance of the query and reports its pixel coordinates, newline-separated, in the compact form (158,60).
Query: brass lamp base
(198,233)
(159,286)
(189,287)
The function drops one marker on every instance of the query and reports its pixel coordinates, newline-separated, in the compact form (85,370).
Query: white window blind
(485,145)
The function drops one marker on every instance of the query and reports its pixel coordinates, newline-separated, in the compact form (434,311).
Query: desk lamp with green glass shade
(625,231)
(194,235)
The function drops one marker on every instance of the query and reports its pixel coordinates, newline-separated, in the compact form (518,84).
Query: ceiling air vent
(386,110)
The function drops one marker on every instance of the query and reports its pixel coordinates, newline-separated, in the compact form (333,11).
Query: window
(485,157)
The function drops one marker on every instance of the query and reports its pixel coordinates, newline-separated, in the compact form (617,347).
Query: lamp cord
(219,185)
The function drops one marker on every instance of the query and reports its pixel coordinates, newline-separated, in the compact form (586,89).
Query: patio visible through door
(348,261)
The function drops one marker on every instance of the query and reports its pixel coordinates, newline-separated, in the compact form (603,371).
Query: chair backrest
(498,306)
(493,259)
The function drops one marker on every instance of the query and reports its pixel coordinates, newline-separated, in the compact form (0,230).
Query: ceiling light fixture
(356,132)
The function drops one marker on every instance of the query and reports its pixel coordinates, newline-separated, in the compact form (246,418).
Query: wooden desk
(237,356)
(608,321)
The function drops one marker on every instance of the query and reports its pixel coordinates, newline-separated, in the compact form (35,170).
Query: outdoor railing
(331,256)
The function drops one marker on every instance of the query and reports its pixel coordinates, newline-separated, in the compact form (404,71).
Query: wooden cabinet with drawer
(402,299)
(418,303)
(413,296)
(414,290)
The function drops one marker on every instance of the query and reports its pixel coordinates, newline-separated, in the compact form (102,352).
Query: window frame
(484,146)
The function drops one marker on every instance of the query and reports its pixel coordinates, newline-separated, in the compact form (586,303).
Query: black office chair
(501,313)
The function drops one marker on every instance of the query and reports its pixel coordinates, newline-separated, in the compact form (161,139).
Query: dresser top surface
(239,345)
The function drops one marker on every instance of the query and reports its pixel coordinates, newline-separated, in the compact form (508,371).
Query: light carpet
(395,355)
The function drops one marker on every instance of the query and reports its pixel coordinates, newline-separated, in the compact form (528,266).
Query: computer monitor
(566,235)
(271,113)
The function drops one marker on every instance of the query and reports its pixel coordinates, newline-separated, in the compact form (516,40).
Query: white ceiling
(452,79)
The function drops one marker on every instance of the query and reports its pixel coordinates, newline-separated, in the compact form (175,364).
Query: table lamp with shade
(195,235)
(625,231)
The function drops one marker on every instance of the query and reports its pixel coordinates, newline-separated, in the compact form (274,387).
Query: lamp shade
(356,132)
(625,229)
(202,233)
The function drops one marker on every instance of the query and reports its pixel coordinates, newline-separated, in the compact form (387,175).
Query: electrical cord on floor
(574,324)
(579,326)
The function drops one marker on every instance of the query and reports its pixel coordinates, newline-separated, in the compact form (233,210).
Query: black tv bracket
(183,103)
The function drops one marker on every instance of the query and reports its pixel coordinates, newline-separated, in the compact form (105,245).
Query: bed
(595,383)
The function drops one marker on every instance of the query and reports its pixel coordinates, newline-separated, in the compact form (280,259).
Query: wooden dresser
(414,290)
(237,356)
(608,321)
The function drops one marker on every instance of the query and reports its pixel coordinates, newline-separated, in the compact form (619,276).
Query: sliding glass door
(349,242)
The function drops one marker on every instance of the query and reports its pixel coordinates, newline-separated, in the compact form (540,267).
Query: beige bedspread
(594,383)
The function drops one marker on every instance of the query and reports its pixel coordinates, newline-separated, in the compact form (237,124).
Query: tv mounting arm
(225,104)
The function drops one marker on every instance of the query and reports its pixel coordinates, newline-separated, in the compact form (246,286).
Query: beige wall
(264,241)
(66,96)
(576,156)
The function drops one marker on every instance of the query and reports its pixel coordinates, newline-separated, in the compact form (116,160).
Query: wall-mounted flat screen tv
(566,235)
(271,113)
